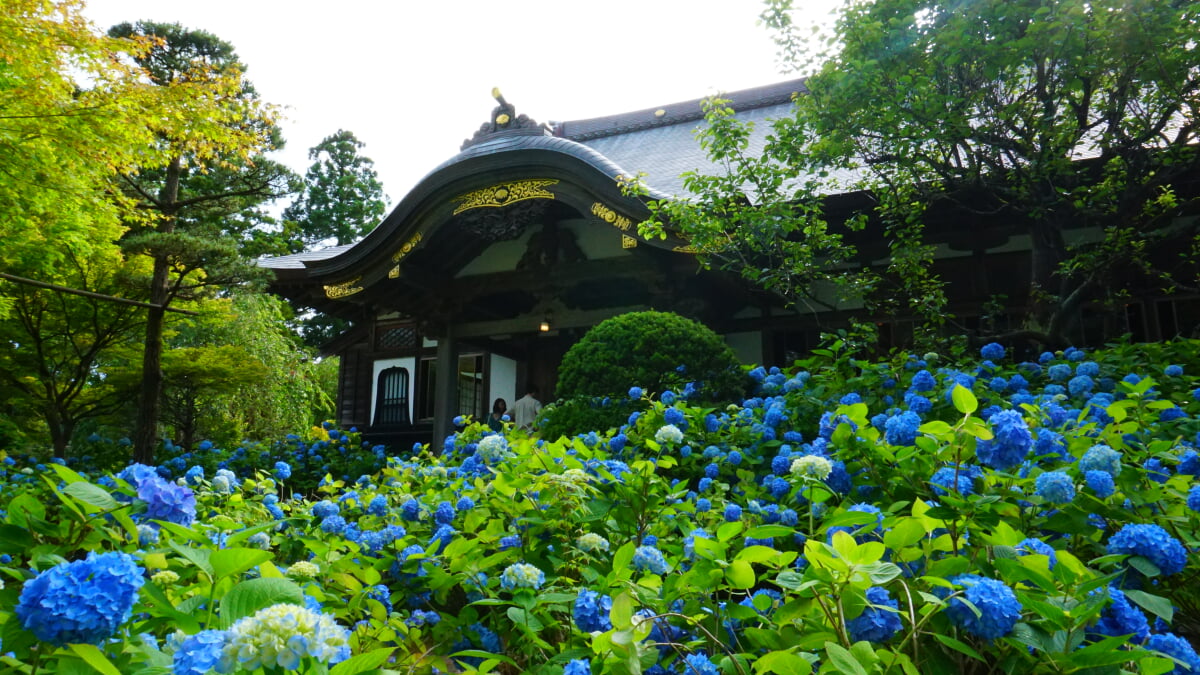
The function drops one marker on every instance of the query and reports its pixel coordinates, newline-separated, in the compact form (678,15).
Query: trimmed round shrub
(653,350)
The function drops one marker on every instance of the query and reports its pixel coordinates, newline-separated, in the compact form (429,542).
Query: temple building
(483,275)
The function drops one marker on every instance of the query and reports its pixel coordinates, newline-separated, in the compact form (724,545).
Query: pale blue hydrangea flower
(522,575)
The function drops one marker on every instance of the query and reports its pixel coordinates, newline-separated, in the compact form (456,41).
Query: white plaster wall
(407,362)
(597,239)
(503,380)
(501,256)
(747,347)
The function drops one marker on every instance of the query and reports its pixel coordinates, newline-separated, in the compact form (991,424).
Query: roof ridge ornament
(505,120)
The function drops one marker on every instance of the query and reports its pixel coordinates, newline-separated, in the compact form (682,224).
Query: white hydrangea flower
(669,434)
(592,542)
(813,466)
(304,570)
(280,636)
(494,448)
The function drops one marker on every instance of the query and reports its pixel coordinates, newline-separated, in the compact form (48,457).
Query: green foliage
(756,576)
(653,350)
(55,348)
(1071,122)
(342,199)
(581,414)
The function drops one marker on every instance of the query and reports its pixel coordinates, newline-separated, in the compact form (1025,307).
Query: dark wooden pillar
(445,404)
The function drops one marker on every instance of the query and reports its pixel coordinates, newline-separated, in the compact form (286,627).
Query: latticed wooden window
(391,398)
(396,337)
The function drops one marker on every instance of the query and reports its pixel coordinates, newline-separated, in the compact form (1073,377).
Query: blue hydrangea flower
(923,381)
(1152,542)
(673,416)
(998,607)
(522,575)
(918,403)
(1081,385)
(1193,498)
(1156,470)
(1177,648)
(1088,369)
(511,541)
(635,393)
(901,429)
(442,536)
(879,622)
(578,667)
(1173,370)
(1010,444)
(283,470)
(1101,458)
(591,611)
(650,559)
(333,525)
(1037,546)
(444,514)
(85,601)
(992,351)
(325,508)
(1055,487)
(410,510)
(944,480)
(1059,372)
(167,501)
(698,663)
(732,512)
(199,653)
(1120,617)
(378,506)
(280,636)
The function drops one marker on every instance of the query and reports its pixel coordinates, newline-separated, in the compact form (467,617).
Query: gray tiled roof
(664,153)
(296,260)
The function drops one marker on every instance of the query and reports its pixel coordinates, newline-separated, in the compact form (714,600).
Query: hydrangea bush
(919,515)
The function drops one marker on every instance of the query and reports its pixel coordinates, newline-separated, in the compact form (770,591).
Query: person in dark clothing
(495,420)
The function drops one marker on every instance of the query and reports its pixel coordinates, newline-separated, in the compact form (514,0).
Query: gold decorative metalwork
(394,273)
(628,241)
(611,217)
(407,247)
(686,249)
(505,193)
(342,290)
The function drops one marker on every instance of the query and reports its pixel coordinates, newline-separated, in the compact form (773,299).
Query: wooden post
(445,404)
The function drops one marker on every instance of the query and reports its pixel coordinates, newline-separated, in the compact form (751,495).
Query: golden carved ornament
(505,193)
(407,247)
(342,290)
(628,241)
(686,249)
(394,273)
(611,217)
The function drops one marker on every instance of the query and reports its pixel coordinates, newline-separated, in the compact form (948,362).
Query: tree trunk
(1045,286)
(61,429)
(145,439)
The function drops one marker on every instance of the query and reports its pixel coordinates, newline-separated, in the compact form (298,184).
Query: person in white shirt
(526,409)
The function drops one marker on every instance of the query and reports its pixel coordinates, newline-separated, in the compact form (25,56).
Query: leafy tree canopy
(1058,116)
(342,197)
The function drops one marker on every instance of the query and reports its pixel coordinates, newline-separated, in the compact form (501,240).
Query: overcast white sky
(412,78)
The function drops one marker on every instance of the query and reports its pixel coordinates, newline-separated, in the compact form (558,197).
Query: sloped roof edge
(676,113)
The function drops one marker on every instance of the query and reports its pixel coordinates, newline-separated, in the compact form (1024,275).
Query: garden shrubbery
(908,516)
(654,351)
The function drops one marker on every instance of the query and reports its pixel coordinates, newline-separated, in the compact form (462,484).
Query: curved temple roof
(657,143)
